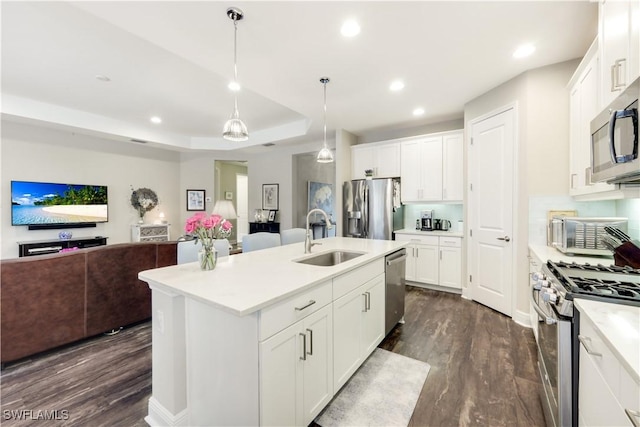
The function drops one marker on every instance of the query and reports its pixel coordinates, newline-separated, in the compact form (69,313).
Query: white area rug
(383,392)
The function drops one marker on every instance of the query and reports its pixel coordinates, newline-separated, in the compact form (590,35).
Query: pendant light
(234,128)
(325,156)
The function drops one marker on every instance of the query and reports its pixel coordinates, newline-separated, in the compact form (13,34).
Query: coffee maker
(426,220)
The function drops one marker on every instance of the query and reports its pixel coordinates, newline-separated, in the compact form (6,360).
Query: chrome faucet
(307,239)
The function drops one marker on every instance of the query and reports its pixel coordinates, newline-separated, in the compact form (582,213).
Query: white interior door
(242,208)
(491,177)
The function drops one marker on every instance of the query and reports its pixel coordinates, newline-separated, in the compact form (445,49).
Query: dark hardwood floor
(482,363)
(482,371)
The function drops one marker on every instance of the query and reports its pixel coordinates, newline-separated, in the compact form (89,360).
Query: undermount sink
(327,259)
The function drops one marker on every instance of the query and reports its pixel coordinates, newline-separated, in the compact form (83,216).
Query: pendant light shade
(235,129)
(325,155)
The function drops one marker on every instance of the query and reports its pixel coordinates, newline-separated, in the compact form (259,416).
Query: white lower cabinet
(607,393)
(311,344)
(296,366)
(450,263)
(433,260)
(358,328)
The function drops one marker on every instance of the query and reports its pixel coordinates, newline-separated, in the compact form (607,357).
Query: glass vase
(207,257)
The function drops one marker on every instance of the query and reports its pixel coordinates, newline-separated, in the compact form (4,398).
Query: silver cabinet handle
(309,304)
(365,302)
(584,340)
(616,83)
(310,353)
(633,416)
(368,294)
(440,254)
(304,346)
(505,238)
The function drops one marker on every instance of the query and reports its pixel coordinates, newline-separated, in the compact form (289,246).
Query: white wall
(542,162)
(37,154)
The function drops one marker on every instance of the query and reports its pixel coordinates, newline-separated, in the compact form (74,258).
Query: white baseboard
(159,416)
(522,318)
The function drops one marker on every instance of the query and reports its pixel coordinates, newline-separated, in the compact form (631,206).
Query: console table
(264,227)
(150,233)
(41,247)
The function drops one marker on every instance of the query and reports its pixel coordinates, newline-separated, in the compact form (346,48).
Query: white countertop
(429,233)
(247,282)
(619,327)
(545,253)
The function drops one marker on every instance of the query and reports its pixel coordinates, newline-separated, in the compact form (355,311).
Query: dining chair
(188,251)
(257,241)
(292,235)
(222,247)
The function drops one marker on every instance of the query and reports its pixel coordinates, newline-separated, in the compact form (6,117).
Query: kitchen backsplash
(540,205)
(452,212)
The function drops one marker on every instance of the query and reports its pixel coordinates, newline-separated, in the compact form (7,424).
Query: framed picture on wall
(272,216)
(195,200)
(270,196)
(228,195)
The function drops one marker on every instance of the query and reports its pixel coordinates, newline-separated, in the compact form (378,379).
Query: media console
(41,247)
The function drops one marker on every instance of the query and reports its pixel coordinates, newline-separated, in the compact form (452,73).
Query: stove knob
(549,296)
(542,284)
(537,276)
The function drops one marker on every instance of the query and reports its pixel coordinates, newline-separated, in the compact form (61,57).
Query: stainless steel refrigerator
(372,209)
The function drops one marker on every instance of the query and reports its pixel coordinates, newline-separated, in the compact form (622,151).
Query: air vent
(139,141)
(269,144)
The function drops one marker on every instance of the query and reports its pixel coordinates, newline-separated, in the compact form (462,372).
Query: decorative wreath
(144,199)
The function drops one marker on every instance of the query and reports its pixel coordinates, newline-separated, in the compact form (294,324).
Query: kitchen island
(263,339)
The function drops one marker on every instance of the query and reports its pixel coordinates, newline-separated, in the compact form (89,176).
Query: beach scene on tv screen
(45,203)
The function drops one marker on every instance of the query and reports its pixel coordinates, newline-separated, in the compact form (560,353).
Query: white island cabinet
(263,339)
(609,384)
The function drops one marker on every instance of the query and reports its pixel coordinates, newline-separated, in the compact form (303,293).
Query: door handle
(505,238)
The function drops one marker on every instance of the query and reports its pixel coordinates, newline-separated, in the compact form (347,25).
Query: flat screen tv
(42,205)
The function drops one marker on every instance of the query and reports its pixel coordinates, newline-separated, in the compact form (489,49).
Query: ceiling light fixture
(524,51)
(325,156)
(350,28)
(418,111)
(396,85)
(155,119)
(234,128)
(102,78)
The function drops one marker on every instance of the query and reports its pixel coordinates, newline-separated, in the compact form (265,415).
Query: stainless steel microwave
(614,140)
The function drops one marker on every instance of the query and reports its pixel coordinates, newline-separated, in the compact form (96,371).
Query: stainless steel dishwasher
(395,288)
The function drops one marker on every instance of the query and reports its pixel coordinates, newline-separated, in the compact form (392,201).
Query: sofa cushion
(42,303)
(115,295)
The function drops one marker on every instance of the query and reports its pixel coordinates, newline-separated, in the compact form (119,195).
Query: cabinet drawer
(277,317)
(416,238)
(454,242)
(349,281)
(602,356)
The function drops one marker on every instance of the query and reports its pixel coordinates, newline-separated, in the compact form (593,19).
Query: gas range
(561,282)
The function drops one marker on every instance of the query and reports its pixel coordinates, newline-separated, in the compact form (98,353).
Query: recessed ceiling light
(102,78)
(418,111)
(396,85)
(350,28)
(234,86)
(155,119)
(524,51)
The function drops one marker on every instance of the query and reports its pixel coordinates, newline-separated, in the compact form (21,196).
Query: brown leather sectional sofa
(50,300)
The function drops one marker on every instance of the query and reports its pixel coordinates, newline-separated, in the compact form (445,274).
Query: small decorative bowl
(65,235)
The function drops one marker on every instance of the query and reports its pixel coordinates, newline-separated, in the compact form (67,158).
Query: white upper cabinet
(452,152)
(619,38)
(383,159)
(583,107)
(431,168)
